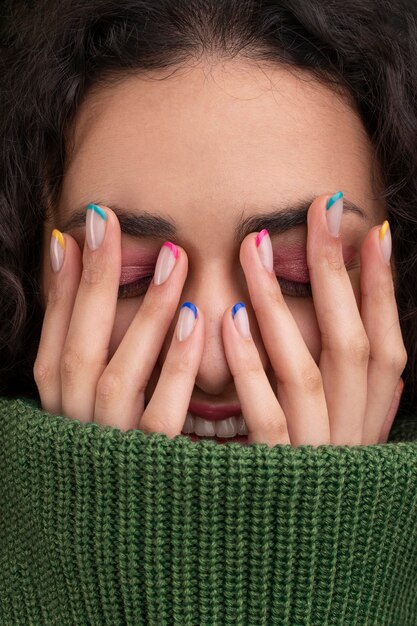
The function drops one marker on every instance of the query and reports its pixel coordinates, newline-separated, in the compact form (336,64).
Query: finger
(168,406)
(386,428)
(388,356)
(60,302)
(262,413)
(344,344)
(86,347)
(121,388)
(299,386)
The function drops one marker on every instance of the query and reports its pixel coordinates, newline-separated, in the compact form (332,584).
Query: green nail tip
(98,210)
(333,199)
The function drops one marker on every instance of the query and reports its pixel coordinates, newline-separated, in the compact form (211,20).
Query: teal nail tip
(98,210)
(333,199)
(190,306)
(236,308)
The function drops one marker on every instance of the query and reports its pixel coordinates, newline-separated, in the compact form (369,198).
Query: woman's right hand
(71,370)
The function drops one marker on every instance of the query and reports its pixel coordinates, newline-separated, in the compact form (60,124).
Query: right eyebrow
(277,219)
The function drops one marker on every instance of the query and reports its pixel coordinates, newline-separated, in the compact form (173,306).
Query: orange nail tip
(59,236)
(383,230)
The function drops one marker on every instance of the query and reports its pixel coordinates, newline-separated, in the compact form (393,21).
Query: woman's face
(217,152)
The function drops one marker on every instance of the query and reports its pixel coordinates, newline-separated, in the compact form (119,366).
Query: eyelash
(288,287)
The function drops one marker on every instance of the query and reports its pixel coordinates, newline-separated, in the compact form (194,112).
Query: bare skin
(204,148)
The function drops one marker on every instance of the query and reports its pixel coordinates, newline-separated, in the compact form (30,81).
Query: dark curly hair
(53,51)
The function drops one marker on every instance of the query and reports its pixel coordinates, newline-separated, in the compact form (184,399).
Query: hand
(352,395)
(71,370)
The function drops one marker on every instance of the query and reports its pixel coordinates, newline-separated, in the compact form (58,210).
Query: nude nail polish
(95,225)
(57,250)
(186,320)
(385,241)
(334,212)
(264,246)
(167,257)
(241,320)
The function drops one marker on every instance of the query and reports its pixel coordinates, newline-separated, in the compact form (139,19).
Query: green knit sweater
(100,526)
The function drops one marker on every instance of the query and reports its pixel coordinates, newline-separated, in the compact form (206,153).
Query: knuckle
(70,363)
(393,360)
(108,388)
(55,293)
(329,260)
(179,367)
(357,349)
(248,369)
(311,380)
(93,275)
(42,373)
(151,424)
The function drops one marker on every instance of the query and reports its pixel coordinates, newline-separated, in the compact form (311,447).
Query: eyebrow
(280,218)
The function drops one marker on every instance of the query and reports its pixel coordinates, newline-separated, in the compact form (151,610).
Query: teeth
(226,428)
(204,428)
(188,424)
(242,429)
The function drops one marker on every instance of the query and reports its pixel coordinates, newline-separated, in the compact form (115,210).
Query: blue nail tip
(98,210)
(236,308)
(190,306)
(333,199)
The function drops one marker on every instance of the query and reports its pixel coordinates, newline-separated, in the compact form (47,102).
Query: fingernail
(168,254)
(241,320)
(95,226)
(385,241)
(264,246)
(186,320)
(57,250)
(334,211)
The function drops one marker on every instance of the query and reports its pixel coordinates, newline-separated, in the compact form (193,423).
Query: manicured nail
(186,320)
(334,211)
(264,245)
(57,250)
(241,320)
(385,241)
(95,226)
(168,254)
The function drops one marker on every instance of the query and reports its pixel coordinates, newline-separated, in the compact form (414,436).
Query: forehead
(212,139)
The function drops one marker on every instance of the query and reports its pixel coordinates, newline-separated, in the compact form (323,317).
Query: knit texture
(100,526)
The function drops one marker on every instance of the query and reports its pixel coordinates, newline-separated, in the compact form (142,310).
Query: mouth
(230,429)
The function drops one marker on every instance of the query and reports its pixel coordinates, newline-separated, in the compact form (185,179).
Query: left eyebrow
(277,219)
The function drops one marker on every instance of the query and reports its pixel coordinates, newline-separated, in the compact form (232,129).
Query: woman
(214,188)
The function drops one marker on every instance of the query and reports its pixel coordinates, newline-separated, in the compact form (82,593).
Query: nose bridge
(213,287)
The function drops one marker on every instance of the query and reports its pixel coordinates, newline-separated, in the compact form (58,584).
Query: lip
(214,413)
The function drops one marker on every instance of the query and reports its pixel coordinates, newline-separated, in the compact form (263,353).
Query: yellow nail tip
(59,236)
(383,230)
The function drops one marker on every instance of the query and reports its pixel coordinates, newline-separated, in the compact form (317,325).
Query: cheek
(305,316)
(125,312)
(304,313)
(355,276)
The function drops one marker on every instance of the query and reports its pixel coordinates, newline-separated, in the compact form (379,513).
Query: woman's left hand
(351,396)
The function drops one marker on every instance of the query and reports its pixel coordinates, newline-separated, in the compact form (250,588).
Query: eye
(295,289)
(135,289)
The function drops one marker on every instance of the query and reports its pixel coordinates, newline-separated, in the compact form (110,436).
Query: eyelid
(131,273)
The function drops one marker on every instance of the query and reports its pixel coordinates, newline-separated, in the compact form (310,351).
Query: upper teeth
(229,427)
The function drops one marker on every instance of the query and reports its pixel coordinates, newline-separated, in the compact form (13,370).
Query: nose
(214,290)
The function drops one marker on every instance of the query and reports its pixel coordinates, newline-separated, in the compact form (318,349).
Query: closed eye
(288,287)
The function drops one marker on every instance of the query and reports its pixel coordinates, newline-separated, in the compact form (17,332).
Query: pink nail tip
(260,236)
(173,248)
